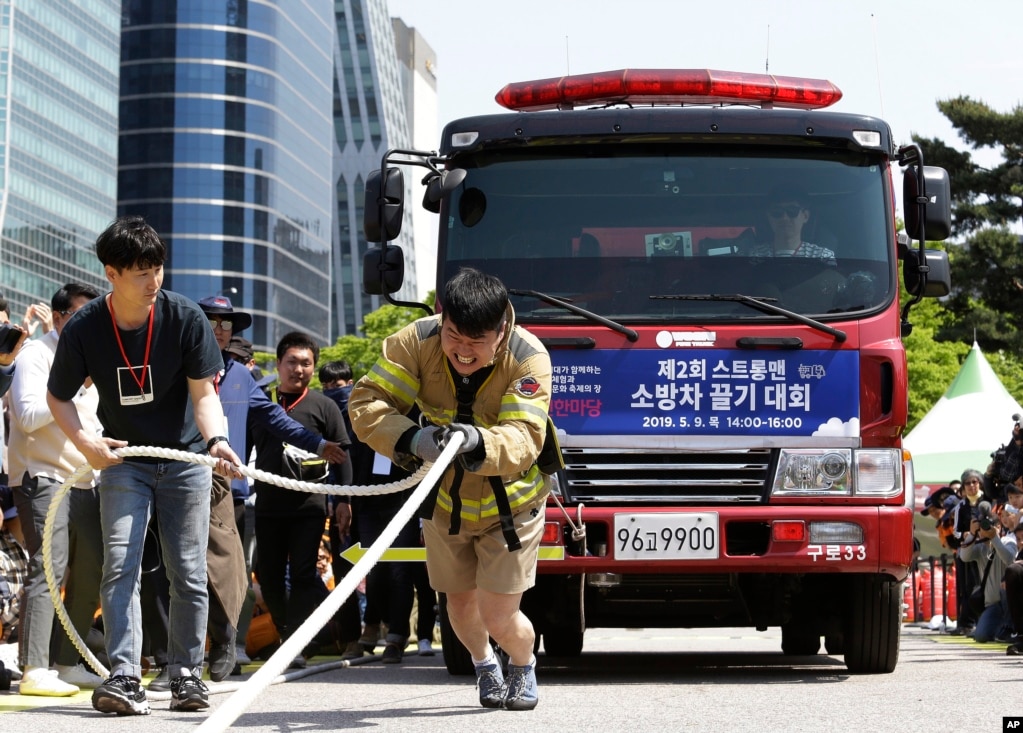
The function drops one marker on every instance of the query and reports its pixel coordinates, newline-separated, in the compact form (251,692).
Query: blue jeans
(76,543)
(179,493)
(993,620)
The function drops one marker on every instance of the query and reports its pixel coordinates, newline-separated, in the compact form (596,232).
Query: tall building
(369,119)
(225,146)
(58,143)
(418,64)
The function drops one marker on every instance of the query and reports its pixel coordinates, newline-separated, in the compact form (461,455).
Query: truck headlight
(813,472)
(838,472)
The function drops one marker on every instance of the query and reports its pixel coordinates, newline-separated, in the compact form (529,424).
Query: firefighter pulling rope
(223,716)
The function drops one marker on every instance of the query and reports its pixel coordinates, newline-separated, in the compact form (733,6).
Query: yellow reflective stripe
(439,416)
(394,381)
(520,493)
(513,408)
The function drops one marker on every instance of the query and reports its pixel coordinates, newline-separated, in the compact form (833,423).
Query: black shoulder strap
(465,394)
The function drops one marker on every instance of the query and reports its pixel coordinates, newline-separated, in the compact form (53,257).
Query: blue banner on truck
(706,392)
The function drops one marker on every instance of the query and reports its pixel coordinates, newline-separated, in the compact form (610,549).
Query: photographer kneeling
(992,553)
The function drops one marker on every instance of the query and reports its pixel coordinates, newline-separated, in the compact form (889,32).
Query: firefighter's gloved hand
(472,436)
(426,443)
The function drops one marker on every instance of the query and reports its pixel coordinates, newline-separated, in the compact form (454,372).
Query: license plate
(667,536)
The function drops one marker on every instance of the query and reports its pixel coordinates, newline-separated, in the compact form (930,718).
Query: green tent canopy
(972,419)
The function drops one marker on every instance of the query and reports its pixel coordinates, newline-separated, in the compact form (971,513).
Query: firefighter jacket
(510,410)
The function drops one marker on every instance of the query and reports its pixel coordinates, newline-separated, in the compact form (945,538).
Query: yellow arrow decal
(355,552)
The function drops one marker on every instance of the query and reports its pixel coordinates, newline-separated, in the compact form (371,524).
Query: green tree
(987,265)
(932,364)
(362,351)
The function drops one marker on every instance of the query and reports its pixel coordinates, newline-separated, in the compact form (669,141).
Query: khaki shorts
(479,558)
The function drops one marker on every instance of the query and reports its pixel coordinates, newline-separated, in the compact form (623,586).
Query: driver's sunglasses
(792,211)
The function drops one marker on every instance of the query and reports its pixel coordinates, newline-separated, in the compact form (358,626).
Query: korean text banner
(706,392)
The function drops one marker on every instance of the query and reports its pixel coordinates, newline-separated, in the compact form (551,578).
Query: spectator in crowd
(968,576)
(389,592)
(935,508)
(1013,578)
(152,357)
(472,371)
(13,567)
(336,381)
(41,458)
(290,524)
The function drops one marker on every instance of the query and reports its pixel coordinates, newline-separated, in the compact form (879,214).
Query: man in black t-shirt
(290,524)
(152,356)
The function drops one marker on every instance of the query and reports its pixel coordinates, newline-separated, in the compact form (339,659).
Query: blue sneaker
(522,692)
(490,682)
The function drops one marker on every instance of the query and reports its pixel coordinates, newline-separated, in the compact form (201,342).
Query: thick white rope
(177,455)
(235,705)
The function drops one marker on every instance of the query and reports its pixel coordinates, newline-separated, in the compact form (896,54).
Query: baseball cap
(240,347)
(220,305)
(937,498)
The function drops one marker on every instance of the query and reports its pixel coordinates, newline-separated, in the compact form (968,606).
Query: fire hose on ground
(244,694)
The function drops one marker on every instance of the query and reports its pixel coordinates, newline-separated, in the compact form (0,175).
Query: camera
(986,523)
(9,337)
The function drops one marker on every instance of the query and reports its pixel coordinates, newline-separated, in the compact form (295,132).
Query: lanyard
(289,408)
(140,381)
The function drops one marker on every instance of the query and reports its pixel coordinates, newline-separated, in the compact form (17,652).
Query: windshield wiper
(762,304)
(589,315)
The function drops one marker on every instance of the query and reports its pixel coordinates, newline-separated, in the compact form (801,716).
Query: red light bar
(669,86)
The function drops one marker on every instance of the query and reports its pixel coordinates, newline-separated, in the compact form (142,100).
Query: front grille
(667,476)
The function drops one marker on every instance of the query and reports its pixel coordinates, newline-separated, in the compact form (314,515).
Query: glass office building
(225,148)
(58,143)
(370,118)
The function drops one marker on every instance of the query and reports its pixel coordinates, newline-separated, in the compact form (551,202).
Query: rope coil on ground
(425,476)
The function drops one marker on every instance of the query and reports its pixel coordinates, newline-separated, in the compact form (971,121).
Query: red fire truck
(729,394)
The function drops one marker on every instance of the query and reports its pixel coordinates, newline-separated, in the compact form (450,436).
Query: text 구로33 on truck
(730,398)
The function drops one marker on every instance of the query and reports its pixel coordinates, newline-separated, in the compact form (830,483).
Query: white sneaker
(79,675)
(45,683)
(425,648)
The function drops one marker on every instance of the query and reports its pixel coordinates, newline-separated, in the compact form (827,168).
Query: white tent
(970,421)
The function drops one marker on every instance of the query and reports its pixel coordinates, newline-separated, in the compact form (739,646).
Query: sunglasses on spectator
(791,211)
(972,482)
(222,324)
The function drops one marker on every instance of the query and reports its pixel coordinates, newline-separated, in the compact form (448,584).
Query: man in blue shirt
(242,400)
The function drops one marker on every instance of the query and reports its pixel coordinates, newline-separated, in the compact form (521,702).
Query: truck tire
(799,640)
(456,657)
(563,642)
(872,625)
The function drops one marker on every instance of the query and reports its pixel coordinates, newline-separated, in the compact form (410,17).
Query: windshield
(605,231)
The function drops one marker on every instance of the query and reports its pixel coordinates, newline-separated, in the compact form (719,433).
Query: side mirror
(937,222)
(384,205)
(939,276)
(439,186)
(383,270)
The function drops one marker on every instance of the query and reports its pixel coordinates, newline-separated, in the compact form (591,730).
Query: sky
(893,59)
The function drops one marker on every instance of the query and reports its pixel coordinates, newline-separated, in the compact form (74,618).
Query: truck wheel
(456,657)
(563,643)
(799,641)
(872,625)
